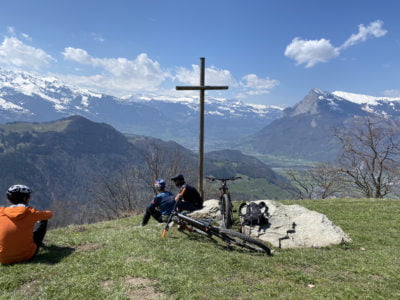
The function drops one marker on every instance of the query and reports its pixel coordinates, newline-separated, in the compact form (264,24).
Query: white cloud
(98,37)
(373,30)
(26,37)
(78,55)
(11,30)
(249,84)
(311,52)
(120,75)
(15,53)
(213,76)
(257,86)
(392,93)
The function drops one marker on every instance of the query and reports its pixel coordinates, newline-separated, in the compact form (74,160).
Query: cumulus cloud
(213,76)
(375,29)
(311,52)
(15,53)
(119,74)
(254,85)
(249,84)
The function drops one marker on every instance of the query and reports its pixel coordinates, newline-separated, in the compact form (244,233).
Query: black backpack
(256,214)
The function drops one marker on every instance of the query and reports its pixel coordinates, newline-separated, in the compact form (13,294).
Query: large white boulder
(290,226)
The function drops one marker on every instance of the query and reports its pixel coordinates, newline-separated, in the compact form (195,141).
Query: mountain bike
(204,227)
(225,203)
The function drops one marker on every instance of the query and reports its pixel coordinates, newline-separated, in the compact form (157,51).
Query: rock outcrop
(290,226)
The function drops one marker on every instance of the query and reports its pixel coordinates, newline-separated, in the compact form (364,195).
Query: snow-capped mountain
(306,129)
(28,97)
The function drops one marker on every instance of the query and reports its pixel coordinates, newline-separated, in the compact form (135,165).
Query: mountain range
(306,130)
(303,131)
(32,98)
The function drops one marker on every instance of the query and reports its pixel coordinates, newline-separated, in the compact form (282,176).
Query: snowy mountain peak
(48,88)
(364,99)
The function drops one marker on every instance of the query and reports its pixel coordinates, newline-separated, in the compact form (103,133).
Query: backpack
(255,214)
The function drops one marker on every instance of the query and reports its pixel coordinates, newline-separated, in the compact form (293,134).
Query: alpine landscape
(199,149)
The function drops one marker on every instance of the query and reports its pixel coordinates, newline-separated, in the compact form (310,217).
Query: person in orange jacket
(19,240)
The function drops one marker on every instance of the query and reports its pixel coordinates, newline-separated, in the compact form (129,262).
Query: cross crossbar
(196,88)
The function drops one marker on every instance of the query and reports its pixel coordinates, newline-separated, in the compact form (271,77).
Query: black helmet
(19,190)
(178,177)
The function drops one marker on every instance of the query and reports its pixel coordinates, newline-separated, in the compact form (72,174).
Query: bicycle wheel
(239,239)
(227,214)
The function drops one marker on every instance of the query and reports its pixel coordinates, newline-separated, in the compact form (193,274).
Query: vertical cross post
(202,88)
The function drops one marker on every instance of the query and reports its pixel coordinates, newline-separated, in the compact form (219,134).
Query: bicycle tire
(240,239)
(227,218)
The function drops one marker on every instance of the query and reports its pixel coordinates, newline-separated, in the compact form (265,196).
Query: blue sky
(268,52)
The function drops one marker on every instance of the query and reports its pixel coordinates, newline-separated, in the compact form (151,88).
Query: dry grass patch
(88,247)
(142,288)
(107,285)
(28,289)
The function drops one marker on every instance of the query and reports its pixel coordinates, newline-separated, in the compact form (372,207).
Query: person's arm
(155,202)
(41,215)
(179,196)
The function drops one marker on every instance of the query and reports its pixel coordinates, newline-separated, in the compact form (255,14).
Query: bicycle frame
(229,237)
(225,202)
(183,219)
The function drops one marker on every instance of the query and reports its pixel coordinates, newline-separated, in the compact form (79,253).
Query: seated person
(18,240)
(161,206)
(188,197)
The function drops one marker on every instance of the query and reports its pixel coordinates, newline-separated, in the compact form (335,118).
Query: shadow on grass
(52,254)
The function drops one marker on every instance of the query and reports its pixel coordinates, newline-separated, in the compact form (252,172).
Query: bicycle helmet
(19,189)
(159,184)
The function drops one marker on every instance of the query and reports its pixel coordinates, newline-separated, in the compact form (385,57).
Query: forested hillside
(73,162)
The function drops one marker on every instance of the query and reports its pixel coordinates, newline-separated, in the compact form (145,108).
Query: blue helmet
(159,184)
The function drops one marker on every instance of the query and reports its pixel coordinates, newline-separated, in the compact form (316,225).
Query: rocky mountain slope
(306,129)
(29,97)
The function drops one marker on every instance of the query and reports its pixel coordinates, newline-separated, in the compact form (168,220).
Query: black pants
(151,211)
(190,206)
(38,235)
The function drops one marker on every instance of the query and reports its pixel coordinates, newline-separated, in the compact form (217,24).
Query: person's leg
(40,232)
(182,205)
(156,213)
(151,211)
(146,217)
(38,235)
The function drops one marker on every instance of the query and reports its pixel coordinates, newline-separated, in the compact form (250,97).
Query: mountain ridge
(305,131)
(63,160)
(27,97)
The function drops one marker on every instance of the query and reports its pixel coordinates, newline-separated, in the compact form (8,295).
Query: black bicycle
(203,226)
(225,203)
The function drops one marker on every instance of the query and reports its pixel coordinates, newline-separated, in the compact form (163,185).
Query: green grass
(116,260)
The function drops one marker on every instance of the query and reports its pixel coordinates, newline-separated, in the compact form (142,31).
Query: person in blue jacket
(161,206)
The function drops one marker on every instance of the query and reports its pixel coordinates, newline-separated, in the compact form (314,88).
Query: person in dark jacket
(188,197)
(161,206)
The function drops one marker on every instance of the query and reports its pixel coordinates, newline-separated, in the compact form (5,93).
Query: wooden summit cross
(202,88)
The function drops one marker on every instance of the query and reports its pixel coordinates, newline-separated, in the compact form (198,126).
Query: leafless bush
(369,156)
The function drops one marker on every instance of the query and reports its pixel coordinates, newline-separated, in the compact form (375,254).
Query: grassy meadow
(119,260)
